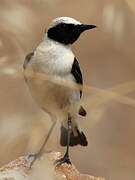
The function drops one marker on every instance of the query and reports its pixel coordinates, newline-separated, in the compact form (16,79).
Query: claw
(32,158)
(62,161)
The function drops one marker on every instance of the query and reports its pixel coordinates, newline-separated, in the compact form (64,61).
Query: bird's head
(66,30)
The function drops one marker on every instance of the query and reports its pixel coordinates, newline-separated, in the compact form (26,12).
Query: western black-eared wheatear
(54,58)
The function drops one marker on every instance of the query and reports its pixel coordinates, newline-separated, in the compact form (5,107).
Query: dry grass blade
(102,96)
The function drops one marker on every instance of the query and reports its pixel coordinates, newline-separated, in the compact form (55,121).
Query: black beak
(85,27)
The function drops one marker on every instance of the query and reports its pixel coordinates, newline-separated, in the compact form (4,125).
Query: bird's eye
(63,25)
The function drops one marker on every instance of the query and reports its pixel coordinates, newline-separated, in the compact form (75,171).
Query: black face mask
(67,33)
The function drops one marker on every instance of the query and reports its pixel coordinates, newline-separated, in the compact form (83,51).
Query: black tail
(80,138)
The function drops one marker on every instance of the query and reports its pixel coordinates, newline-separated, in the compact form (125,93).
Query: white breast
(54,60)
(53,57)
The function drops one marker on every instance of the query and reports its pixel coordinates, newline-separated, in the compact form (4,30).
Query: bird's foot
(63,160)
(33,158)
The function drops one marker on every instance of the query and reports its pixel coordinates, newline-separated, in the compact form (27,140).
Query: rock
(42,169)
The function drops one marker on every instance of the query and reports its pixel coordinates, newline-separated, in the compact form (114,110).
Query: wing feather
(27,59)
(76,72)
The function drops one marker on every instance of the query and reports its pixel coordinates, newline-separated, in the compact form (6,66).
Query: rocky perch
(42,169)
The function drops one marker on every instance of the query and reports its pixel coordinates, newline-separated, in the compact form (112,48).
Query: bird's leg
(68,137)
(66,159)
(39,153)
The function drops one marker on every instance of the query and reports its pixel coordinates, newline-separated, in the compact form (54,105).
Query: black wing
(27,59)
(77,73)
(79,79)
(82,111)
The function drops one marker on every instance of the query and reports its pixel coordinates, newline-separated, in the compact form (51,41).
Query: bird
(49,72)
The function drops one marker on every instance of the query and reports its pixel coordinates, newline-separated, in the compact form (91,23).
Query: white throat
(53,56)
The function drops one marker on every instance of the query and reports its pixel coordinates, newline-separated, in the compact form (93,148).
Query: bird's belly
(52,97)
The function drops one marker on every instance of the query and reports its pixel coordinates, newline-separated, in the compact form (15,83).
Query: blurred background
(107,59)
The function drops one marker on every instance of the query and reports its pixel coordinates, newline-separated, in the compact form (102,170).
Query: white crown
(67,20)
